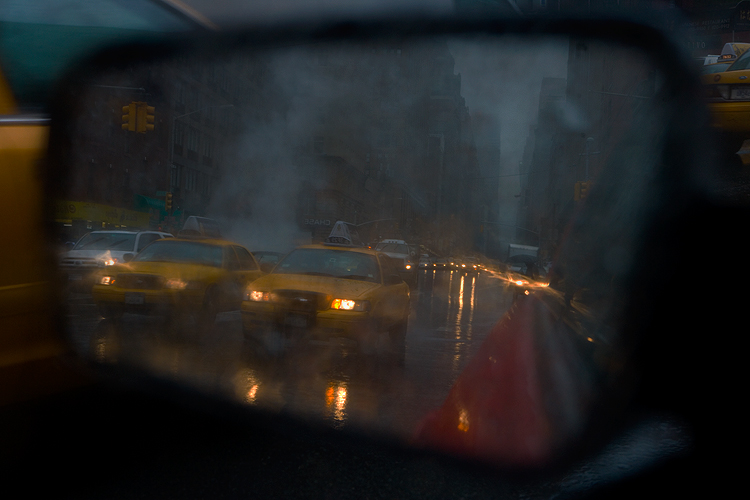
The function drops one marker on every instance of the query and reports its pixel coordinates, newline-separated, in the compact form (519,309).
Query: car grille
(302,301)
(72,263)
(139,281)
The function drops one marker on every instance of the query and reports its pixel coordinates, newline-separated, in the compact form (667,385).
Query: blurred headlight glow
(260,296)
(107,280)
(350,305)
(175,284)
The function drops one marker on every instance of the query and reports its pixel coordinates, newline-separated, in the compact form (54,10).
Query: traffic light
(138,117)
(168,202)
(585,189)
(129,117)
(581,190)
(145,118)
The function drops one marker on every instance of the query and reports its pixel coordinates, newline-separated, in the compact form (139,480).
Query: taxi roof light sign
(342,235)
(201,227)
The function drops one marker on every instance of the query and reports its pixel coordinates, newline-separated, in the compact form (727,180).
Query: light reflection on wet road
(451,314)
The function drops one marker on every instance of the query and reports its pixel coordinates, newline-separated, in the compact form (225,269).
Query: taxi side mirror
(602,243)
(393,279)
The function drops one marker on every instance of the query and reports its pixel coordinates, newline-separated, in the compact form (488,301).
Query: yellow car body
(311,303)
(171,275)
(728,95)
(31,348)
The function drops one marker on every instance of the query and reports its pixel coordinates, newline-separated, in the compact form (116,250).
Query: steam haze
(257,198)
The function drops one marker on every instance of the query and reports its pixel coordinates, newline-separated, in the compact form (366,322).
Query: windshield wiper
(356,277)
(114,245)
(315,273)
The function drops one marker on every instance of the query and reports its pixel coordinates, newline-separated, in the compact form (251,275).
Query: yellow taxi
(722,62)
(728,95)
(199,275)
(328,291)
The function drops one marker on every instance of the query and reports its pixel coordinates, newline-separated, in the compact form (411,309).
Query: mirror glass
(382,236)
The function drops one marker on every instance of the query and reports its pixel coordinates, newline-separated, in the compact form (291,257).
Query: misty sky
(505,79)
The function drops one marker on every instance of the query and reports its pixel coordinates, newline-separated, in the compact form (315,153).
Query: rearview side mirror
(396,128)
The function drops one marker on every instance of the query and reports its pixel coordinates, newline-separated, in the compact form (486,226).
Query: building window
(205,184)
(179,93)
(191,179)
(208,145)
(179,137)
(176,176)
(193,141)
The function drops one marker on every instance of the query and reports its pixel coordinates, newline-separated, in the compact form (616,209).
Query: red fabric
(495,410)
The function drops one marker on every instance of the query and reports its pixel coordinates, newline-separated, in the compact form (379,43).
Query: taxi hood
(328,285)
(171,269)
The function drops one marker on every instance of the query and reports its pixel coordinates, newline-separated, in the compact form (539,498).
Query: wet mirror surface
(335,231)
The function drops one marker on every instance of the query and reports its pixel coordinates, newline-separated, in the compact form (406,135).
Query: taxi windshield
(392,248)
(187,252)
(106,241)
(742,62)
(334,263)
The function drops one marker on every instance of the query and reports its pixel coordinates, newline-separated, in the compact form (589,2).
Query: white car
(403,258)
(99,249)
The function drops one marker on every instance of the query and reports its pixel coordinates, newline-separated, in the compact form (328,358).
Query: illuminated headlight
(107,280)
(407,266)
(109,261)
(260,296)
(176,284)
(350,305)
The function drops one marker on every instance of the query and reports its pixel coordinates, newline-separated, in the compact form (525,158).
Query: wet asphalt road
(138,446)
(451,313)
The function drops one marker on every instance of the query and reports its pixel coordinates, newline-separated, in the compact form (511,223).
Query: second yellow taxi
(728,96)
(201,276)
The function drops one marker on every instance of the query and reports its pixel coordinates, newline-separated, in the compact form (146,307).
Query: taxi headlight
(107,280)
(109,261)
(350,305)
(175,284)
(260,296)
